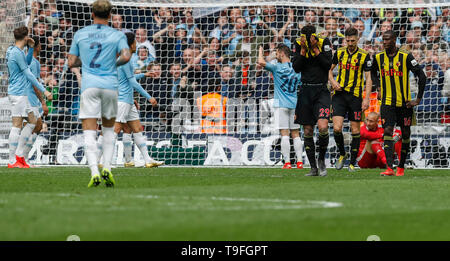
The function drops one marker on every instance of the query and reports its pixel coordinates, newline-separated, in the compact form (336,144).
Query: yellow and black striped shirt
(394,76)
(351,69)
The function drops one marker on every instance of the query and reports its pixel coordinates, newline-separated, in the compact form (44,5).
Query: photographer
(313,58)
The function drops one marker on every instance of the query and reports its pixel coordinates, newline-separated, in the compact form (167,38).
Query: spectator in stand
(161,18)
(214,45)
(142,40)
(285,34)
(245,74)
(310,17)
(230,89)
(232,41)
(181,40)
(412,42)
(165,42)
(144,58)
(223,30)
(117,23)
(270,17)
(249,43)
(431,107)
(331,31)
(156,86)
(384,27)
(65,31)
(359,25)
(173,79)
(434,39)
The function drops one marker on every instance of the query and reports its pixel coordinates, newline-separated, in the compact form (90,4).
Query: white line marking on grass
(234,204)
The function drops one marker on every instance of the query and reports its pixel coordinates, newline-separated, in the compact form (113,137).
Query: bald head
(372,121)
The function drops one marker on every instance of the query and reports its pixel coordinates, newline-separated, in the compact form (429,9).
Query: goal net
(198,59)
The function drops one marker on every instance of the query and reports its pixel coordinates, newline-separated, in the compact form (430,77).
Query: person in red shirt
(371,153)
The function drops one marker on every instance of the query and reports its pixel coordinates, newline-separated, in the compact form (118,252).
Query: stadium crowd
(182,56)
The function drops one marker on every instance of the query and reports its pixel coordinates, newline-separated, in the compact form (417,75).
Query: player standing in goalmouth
(354,65)
(20,78)
(95,48)
(394,66)
(127,111)
(286,81)
(313,59)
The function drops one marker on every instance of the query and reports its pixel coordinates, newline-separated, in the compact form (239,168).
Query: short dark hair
(37,41)
(20,33)
(351,31)
(283,48)
(102,8)
(392,34)
(308,29)
(130,38)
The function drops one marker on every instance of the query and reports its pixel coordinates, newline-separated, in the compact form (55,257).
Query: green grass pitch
(223,204)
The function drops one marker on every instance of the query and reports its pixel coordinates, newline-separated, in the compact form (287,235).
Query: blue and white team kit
(127,111)
(97,46)
(286,81)
(21,80)
(35,103)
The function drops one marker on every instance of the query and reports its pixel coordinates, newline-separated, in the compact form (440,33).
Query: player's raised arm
(261,61)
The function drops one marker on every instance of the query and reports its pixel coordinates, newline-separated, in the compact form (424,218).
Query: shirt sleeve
(270,67)
(367,66)
(335,58)
(123,44)
(132,81)
(413,66)
(370,135)
(374,73)
(21,61)
(33,79)
(30,55)
(139,88)
(74,49)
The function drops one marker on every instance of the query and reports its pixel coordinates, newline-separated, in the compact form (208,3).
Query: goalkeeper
(371,153)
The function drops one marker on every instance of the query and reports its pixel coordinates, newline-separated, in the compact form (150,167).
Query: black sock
(339,138)
(310,149)
(354,148)
(404,153)
(389,151)
(324,138)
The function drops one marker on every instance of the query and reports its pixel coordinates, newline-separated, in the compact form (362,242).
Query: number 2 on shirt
(97,54)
